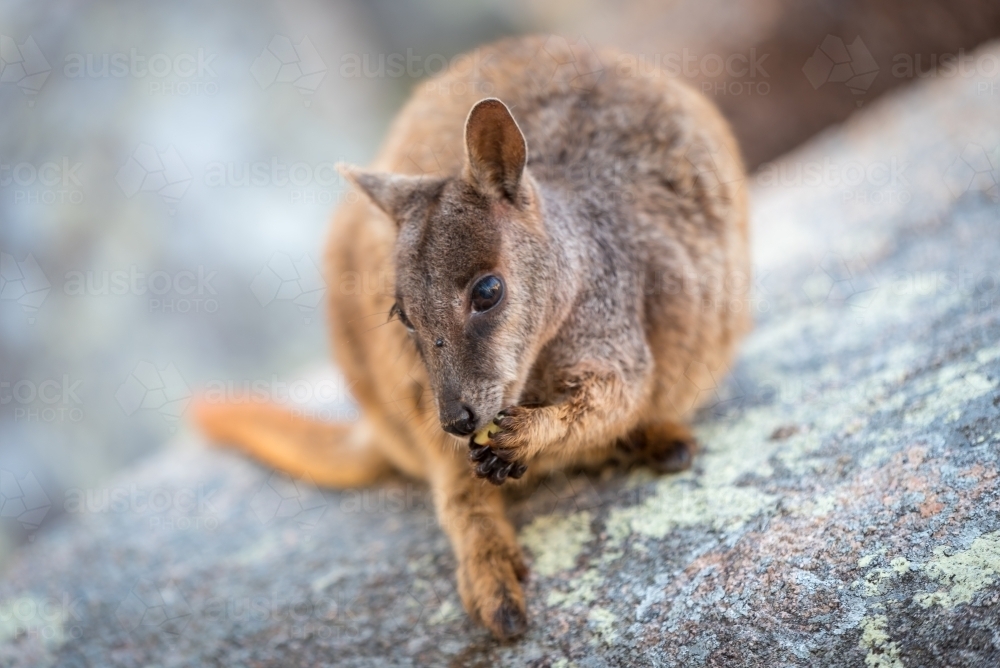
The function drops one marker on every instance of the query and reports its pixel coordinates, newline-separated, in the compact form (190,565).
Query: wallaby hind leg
(328,454)
(667,447)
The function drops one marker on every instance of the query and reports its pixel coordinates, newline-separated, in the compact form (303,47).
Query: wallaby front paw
(495,448)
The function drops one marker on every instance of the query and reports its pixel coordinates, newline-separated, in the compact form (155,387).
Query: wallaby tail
(328,454)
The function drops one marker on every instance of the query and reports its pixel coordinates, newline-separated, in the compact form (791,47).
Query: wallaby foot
(489,583)
(328,454)
(667,447)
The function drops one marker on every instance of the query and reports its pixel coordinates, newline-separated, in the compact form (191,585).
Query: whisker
(370,315)
(371,329)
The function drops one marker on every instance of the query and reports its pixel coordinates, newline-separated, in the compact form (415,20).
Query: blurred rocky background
(782,70)
(166,181)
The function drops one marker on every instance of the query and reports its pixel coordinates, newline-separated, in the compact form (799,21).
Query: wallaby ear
(495,149)
(393,193)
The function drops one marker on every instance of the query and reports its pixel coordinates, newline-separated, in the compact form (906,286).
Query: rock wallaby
(565,257)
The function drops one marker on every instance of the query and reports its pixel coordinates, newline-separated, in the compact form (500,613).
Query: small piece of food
(482,436)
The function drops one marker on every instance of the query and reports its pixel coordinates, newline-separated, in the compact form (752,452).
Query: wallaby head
(473,268)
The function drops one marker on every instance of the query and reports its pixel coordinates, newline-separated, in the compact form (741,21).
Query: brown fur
(622,246)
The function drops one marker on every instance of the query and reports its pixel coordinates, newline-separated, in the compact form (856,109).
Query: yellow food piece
(482,436)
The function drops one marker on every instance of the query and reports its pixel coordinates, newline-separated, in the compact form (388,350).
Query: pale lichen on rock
(556,541)
(882,652)
(962,573)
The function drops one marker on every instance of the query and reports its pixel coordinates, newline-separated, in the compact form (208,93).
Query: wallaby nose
(461,423)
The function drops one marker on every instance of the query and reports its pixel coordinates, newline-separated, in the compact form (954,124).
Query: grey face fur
(455,233)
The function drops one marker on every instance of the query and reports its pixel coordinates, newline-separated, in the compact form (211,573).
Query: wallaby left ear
(395,194)
(495,149)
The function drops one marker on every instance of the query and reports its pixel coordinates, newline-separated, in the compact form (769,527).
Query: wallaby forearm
(596,407)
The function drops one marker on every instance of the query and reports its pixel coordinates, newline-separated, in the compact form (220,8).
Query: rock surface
(844,510)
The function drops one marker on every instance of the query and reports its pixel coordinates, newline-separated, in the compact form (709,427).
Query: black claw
(486,467)
(479,453)
(493,465)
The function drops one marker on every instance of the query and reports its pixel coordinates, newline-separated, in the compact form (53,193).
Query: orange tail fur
(329,454)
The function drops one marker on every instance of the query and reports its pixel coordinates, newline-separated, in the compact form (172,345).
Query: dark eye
(486,293)
(397,311)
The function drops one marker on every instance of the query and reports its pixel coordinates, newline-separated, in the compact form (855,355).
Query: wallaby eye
(397,311)
(486,293)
